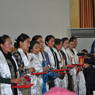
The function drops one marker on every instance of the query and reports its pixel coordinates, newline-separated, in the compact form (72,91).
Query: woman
(36,62)
(53,56)
(60,62)
(8,67)
(43,55)
(21,55)
(57,48)
(65,46)
(78,77)
(45,62)
(63,82)
(49,41)
(73,71)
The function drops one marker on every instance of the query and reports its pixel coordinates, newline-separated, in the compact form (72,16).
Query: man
(93,48)
(89,73)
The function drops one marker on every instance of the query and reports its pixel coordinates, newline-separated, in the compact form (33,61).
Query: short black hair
(48,37)
(64,39)
(21,38)
(3,38)
(32,43)
(57,41)
(84,50)
(73,38)
(36,37)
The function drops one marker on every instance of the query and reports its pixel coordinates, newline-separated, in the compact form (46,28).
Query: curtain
(87,13)
(94,11)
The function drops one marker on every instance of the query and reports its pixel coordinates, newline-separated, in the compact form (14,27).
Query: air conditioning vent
(83,32)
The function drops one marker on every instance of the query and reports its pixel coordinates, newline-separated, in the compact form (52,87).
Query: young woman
(44,55)
(21,55)
(73,71)
(53,55)
(49,41)
(68,77)
(74,46)
(8,67)
(65,42)
(36,62)
(57,48)
(60,63)
(45,62)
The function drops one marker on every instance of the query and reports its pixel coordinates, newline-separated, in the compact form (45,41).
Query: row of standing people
(37,56)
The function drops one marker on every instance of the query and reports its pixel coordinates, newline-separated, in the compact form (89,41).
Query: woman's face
(36,48)
(7,46)
(66,44)
(71,45)
(40,40)
(51,42)
(25,45)
(59,46)
(76,43)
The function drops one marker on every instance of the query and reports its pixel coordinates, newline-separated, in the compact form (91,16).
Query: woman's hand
(18,80)
(46,68)
(31,70)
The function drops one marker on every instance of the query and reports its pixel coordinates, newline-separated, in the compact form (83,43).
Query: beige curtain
(87,13)
(94,12)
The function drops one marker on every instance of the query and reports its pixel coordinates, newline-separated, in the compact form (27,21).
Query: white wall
(37,17)
(34,17)
(85,43)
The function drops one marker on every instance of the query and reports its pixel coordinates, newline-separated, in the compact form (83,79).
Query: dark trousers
(70,83)
(14,91)
(89,92)
(51,82)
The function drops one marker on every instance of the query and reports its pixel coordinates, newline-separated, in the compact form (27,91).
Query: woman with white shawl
(73,71)
(65,45)
(8,67)
(54,59)
(36,62)
(62,80)
(78,77)
(21,56)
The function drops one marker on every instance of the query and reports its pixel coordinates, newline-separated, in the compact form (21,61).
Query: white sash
(73,70)
(61,82)
(67,57)
(81,83)
(93,92)
(24,58)
(36,62)
(76,56)
(59,56)
(18,75)
(71,56)
(5,73)
(51,57)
